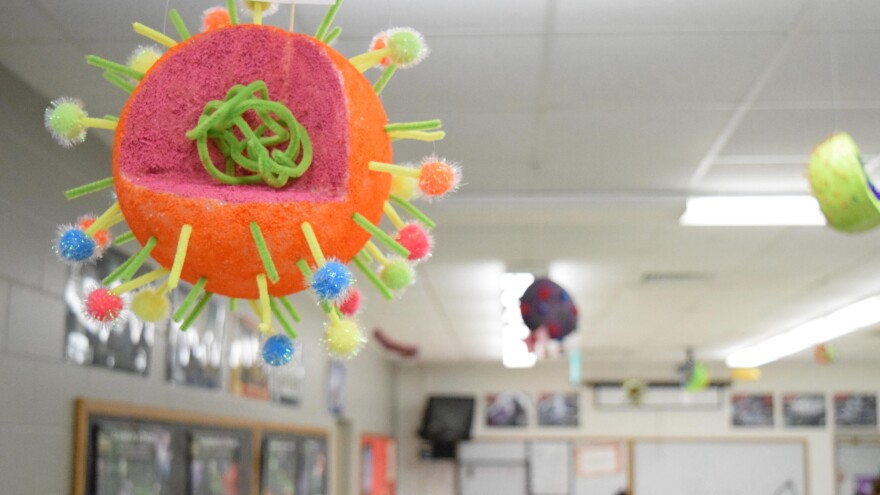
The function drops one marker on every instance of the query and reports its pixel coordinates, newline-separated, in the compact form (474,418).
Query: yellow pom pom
(404,187)
(343,339)
(143,57)
(150,305)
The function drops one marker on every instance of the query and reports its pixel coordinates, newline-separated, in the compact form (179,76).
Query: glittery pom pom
(343,339)
(416,239)
(103,306)
(438,177)
(397,274)
(331,281)
(64,120)
(74,246)
(351,304)
(278,350)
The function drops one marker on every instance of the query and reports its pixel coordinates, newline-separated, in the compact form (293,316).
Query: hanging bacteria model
(254,163)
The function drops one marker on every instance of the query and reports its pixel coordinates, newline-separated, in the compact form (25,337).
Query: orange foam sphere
(221,247)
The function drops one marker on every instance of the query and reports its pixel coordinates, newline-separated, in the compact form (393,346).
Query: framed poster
(279,469)
(194,357)
(124,346)
(247,376)
(751,410)
(855,410)
(558,409)
(507,409)
(312,475)
(803,409)
(215,463)
(132,449)
(132,459)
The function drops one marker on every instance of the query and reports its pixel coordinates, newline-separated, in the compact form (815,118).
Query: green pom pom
(150,305)
(64,119)
(408,48)
(397,275)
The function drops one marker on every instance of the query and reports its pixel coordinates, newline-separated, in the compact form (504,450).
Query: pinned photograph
(855,410)
(751,410)
(803,409)
(507,409)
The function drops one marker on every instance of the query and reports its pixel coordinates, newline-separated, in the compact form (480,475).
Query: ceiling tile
(631,71)
(632,149)
(579,16)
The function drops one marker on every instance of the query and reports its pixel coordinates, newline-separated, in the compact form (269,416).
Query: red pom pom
(103,305)
(415,238)
(352,302)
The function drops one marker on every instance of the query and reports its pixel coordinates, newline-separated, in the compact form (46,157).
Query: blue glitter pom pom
(331,281)
(75,246)
(278,350)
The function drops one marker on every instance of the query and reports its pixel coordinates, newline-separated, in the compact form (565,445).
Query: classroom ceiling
(582,126)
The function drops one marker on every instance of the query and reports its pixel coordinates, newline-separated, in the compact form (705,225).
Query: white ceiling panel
(843,15)
(631,149)
(613,71)
(575,16)
(493,74)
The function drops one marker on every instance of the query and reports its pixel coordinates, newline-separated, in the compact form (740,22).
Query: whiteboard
(490,478)
(549,468)
(719,468)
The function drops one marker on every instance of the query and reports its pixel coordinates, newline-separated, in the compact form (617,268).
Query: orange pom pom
(101,237)
(438,177)
(215,18)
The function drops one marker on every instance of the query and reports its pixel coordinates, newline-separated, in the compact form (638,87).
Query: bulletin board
(124,448)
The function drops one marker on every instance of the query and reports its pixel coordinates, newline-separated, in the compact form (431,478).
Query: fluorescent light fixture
(751,211)
(514,352)
(841,322)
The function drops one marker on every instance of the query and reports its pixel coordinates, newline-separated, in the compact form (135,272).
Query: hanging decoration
(825,354)
(693,374)
(548,311)
(634,389)
(254,163)
(848,199)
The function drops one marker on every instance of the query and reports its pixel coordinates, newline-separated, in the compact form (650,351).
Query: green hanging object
(837,177)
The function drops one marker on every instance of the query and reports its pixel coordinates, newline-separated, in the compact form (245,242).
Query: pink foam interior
(155,152)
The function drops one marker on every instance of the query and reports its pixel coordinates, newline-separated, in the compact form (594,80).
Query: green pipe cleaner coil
(260,152)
